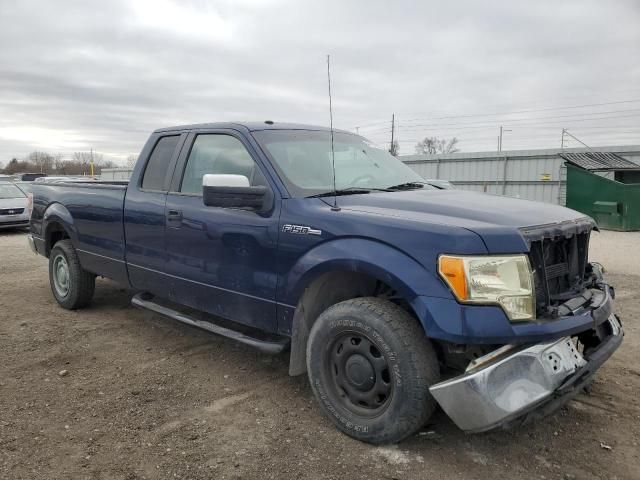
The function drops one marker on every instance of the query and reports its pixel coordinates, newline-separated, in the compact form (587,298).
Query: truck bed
(93,211)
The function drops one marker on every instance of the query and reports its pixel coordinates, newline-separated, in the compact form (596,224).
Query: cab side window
(218,154)
(157,174)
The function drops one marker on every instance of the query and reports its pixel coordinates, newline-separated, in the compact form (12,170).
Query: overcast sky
(87,74)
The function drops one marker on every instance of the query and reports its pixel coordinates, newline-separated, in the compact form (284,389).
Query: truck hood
(490,216)
(13,202)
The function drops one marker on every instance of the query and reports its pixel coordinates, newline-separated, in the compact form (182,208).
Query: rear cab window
(157,173)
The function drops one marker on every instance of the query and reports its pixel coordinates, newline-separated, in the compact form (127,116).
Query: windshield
(7,190)
(303,161)
(24,186)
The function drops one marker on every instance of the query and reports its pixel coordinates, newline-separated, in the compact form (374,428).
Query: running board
(272,347)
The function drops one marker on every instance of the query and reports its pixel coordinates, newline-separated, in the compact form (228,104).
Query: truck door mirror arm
(234,191)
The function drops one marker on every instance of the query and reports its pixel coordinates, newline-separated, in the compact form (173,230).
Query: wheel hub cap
(61,275)
(360,372)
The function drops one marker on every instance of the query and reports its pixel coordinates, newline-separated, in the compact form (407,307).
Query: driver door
(221,260)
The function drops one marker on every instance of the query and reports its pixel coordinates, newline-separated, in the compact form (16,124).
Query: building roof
(631,150)
(599,161)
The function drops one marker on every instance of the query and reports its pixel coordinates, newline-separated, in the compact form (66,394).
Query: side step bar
(273,347)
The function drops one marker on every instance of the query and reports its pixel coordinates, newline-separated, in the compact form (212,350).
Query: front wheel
(71,285)
(370,366)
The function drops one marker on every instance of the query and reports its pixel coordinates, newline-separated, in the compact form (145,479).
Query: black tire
(357,395)
(80,284)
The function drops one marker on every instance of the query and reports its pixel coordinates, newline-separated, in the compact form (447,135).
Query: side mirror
(234,191)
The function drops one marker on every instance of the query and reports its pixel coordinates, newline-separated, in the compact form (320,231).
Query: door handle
(174,215)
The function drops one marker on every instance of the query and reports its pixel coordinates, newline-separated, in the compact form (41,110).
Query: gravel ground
(112,392)
(619,252)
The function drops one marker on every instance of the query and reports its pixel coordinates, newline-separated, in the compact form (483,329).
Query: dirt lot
(148,398)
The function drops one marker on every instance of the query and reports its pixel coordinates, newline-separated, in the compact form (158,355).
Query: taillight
(30,204)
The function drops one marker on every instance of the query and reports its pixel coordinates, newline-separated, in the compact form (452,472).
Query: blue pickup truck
(392,295)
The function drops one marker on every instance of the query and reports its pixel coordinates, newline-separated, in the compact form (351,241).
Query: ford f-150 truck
(394,296)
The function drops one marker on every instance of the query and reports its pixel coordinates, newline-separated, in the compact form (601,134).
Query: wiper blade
(407,186)
(347,191)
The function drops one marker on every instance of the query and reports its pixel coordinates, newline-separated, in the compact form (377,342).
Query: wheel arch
(347,270)
(58,224)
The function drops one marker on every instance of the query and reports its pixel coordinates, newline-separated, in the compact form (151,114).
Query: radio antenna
(333,154)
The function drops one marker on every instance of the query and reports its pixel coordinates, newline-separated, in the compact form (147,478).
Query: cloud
(102,75)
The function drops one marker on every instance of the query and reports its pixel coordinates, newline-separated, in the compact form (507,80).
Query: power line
(549,109)
(588,127)
(386,122)
(532,122)
(515,136)
(508,122)
(532,132)
(546,109)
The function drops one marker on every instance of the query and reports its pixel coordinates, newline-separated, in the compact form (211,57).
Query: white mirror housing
(224,180)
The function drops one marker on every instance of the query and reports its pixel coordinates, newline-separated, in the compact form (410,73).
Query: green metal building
(606,187)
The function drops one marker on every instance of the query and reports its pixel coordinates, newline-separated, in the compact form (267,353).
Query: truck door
(221,260)
(144,215)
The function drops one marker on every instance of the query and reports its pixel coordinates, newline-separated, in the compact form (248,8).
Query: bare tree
(131,160)
(98,159)
(15,166)
(433,145)
(59,164)
(42,161)
(107,164)
(81,161)
(84,159)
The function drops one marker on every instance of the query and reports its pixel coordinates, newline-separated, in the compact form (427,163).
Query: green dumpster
(613,204)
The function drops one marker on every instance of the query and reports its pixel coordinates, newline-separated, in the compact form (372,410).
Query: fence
(116,174)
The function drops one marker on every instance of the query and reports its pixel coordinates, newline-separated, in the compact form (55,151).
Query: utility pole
(92,162)
(500,137)
(564,130)
(393,127)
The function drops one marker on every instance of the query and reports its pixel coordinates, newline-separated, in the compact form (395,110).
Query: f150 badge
(300,230)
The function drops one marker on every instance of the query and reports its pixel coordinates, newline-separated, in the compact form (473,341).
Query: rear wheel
(71,285)
(370,366)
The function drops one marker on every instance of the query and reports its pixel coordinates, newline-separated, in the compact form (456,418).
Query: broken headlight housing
(504,280)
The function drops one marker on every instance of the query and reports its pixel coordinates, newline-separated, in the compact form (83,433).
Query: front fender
(376,259)
(408,277)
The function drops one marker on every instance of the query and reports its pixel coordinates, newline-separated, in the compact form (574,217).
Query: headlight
(504,280)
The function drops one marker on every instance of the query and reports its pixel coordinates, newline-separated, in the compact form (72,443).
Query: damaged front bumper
(516,383)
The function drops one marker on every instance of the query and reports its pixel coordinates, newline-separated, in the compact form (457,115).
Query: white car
(62,179)
(14,211)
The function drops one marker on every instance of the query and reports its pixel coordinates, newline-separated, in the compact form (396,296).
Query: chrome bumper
(510,382)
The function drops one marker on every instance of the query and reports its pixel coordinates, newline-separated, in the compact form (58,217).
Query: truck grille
(22,223)
(11,211)
(559,270)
